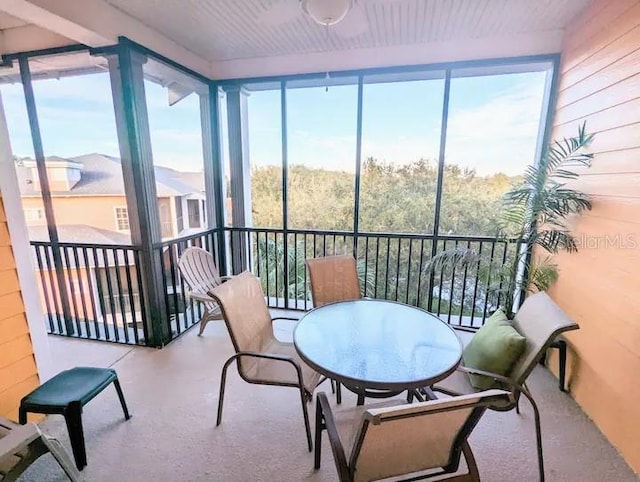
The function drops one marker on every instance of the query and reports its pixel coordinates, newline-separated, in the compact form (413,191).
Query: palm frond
(452,258)
(542,274)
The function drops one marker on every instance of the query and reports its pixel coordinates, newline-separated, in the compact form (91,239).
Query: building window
(193,208)
(33,215)
(122,219)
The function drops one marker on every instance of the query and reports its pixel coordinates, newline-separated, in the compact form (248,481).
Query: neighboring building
(90,208)
(89,190)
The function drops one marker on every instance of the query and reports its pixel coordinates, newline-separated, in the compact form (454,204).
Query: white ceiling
(220,30)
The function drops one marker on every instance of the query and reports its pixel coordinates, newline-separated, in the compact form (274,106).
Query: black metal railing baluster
(306,289)
(45,290)
(266,261)
(386,273)
(141,301)
(123,313)
(366,264)
(83,302)
(420,265)
(174,288)
(375,285)
(64,256)
(54,289)
(475,284)
(406,298)
(110,294)
(453,287)
(132,303)
(504,261)
(464,290)
(89,274)
(398,255)
(441,282)
(165,293)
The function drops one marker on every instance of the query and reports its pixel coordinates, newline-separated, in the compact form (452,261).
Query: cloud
(499,135)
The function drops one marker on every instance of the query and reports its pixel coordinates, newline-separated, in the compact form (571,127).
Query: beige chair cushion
(276,371)
(333,278)
(349,418)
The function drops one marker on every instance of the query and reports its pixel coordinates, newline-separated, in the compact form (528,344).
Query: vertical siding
(600,83)
(18,373)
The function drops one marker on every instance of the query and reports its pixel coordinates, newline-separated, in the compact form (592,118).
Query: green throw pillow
(495,348)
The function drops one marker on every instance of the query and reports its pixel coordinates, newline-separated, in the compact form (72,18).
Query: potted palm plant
(534,216)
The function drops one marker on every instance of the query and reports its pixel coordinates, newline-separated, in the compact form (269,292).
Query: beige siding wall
(600,83)
(18,373)
(97,211)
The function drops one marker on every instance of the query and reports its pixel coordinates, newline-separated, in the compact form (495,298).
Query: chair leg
(360,399)
(305,413)
(223,381)
(333,385)
(318,441)
(338,393)
(22,415)
(536,416)
(203,323)
(538,440)
(61,456)
(116,383)
(563,365)
(73,417)
(472,466)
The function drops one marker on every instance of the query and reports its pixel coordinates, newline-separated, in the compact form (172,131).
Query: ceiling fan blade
(353,25)
(279,13)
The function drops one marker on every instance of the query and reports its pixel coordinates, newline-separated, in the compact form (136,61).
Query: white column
(23,254)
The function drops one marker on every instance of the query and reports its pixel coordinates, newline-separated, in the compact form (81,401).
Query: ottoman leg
(73,417)
(22,414)
(116,382)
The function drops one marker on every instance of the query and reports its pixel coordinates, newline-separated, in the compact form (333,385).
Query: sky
(492,126)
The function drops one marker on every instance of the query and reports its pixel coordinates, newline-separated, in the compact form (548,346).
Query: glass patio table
(377,348)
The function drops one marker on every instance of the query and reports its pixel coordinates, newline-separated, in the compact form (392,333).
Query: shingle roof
(80,233)
(102,175)
(83,234)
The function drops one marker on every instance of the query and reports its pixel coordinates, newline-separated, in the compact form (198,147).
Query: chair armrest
(499,378)
(18,438)
(270,356)
(202,297)
(339,456)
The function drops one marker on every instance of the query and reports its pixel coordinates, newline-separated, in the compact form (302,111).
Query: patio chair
(333,278)
(540,321)
(405,439)
(21,445)
(261,358)
(199,270)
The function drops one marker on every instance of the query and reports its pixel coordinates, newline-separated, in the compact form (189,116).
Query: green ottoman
(66,394)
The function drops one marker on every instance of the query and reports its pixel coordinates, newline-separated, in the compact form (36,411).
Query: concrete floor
(173,394)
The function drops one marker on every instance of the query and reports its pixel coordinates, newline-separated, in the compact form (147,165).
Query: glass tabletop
(377,344)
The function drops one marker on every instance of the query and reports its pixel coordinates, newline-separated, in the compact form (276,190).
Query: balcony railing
(103,282)
(391,266)
(103,287)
